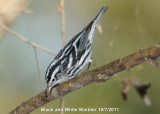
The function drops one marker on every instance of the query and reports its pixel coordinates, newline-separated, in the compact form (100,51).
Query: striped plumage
(74,56)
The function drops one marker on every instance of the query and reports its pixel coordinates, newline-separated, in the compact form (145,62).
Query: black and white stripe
(74,56)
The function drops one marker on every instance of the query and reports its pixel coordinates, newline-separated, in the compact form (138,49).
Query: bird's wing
(88,31)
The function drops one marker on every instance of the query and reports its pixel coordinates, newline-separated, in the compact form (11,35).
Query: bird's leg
(89,64)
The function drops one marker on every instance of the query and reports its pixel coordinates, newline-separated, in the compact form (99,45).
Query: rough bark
(100,74)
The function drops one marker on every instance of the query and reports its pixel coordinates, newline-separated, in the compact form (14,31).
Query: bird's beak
(49,90)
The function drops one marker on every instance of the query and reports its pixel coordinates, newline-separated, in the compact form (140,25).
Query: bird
(73,56)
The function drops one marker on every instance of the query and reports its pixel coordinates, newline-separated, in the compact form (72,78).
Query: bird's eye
(53,80)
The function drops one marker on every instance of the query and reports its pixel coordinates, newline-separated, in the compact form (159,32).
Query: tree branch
(100,74)
(26,40)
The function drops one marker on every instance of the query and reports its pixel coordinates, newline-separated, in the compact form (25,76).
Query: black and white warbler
(73,57)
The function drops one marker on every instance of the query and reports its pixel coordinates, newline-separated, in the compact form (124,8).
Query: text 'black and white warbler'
(73,57)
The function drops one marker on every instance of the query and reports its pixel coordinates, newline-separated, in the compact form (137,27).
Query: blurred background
(127,26)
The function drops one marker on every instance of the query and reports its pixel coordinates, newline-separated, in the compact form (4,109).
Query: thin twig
(62,104)
(100,74)
(26,41)
(139,24)
(61,9)
(38,65)
(116,27)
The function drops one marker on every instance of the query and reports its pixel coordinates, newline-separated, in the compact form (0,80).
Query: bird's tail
(99,15)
